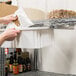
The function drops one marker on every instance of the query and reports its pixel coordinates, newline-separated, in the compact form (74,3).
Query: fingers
(13,17)
(15,34)
(8,19)
(10,34)
(17,31)
(13,31)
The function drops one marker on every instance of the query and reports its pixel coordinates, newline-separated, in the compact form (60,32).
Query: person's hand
(8,19)
(10,34)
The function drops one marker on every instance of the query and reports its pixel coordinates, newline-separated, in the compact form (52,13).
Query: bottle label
(10,67)
(15,70)
(29,67)
(24,67)
(20,68)
(6,51)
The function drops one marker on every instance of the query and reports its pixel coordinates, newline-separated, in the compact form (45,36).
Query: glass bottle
(24,65)
(6,70)
(15,67)
(20,62)
(6,67)
(28,64)
(11,63)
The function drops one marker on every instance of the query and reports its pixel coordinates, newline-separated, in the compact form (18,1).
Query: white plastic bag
(19,41)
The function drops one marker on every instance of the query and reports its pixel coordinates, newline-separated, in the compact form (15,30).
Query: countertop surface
(40,73)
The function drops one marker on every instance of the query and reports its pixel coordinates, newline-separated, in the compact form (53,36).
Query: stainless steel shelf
(2,63)
(55,23)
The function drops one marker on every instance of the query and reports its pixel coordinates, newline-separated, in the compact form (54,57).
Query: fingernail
(14,15)
(18,30)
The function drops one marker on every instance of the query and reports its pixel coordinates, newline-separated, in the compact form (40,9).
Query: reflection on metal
(55,23)
(58,23)
(63,23)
